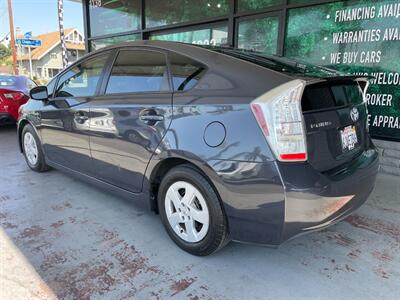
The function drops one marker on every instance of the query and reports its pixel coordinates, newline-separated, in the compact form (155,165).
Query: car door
(129,121)
(65,117)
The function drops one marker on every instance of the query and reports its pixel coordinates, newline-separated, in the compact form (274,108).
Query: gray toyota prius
(223,144)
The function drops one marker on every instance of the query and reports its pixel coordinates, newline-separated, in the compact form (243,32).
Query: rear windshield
(325,96)
(7,81)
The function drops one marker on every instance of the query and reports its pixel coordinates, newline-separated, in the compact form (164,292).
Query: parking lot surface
(62,238)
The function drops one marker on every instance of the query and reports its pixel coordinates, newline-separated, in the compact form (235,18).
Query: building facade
(354,36)
(47,59)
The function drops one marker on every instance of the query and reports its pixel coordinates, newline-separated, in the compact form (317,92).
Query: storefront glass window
(159,13)
(359,38)
(259,34)
(210,36)
(107,17)
(101,43)
(244,5)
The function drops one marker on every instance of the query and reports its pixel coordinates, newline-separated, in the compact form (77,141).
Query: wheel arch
(21,125)
(161,168)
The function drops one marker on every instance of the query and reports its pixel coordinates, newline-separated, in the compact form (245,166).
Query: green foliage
(4,52)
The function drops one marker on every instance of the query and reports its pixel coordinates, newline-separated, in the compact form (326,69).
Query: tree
(4,52)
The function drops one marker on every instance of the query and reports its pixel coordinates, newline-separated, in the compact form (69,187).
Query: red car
(14,92)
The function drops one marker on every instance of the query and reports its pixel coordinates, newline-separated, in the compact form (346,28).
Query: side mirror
(39,93)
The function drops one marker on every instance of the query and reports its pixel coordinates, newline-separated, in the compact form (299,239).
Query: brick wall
(389,156)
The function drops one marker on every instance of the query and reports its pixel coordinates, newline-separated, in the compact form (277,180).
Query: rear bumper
(10,110)
(316,200)
(272,202)
(6,118)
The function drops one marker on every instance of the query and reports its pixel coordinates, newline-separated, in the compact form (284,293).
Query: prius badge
(354,114)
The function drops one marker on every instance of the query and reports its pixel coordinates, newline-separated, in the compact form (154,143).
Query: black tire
(40,165)
(217,235)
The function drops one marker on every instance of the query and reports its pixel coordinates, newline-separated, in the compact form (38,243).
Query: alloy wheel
(187,211)
(31,149)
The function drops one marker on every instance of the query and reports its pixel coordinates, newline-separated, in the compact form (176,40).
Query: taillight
(279,115)
(14,96)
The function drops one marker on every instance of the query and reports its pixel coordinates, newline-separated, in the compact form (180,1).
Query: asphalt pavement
(62,238)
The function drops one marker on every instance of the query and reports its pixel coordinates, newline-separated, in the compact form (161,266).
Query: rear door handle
(155,118)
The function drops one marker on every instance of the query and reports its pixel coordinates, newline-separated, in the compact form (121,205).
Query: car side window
(81,80)
(185,72)
(50,87)
(136,71)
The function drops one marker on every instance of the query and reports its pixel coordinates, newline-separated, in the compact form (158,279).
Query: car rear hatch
(335,118)
(333,107)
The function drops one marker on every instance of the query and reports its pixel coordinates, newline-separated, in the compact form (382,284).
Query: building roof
(49,41)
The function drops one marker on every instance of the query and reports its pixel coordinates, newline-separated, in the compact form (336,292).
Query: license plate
(349,138)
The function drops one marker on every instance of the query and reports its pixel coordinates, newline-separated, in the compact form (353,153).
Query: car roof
(221,66)
(277,63)
(151,43)
(177,47)
(14,76)
(18,81)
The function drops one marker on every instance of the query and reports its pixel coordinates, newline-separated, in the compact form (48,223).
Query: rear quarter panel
(242,167)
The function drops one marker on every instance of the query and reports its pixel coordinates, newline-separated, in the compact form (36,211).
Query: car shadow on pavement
(6,128)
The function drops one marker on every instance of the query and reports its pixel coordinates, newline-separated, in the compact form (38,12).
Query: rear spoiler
(363,81)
